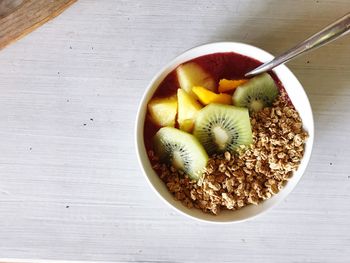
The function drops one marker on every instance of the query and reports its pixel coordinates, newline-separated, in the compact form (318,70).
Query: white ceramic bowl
(297,96)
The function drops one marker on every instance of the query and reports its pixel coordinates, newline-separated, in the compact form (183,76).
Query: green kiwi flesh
(256,94)
(182,150)
(221,128)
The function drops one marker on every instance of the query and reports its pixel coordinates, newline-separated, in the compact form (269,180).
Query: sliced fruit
(221,128)
(188,108)
(257,93)
(187,125)
(191,74)
(163,110)
(182,150)
(206,96)
(227,85)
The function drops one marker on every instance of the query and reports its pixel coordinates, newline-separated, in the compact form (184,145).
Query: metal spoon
(335,30)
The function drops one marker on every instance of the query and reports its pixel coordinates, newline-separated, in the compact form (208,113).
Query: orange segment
(223,98)
(206,96)
(226,85)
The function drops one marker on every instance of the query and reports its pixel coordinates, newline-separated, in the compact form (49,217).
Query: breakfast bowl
(224,64)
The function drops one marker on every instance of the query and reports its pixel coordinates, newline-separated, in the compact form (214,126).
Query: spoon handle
(333,31)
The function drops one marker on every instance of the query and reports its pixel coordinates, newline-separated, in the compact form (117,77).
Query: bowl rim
(165,70)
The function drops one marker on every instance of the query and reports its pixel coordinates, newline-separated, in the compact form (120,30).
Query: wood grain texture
(22,17)
(70,185)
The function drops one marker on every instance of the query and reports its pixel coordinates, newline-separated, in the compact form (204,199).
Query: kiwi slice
(182,150)
(259,92)
(221,128)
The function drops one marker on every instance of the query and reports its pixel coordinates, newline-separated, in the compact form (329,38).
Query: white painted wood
(75,192)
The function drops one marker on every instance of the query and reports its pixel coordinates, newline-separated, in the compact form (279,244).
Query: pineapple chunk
(191,74)
(163,111)
(188,108)
(206,96)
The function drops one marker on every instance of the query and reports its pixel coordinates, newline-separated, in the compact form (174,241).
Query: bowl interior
(297,96)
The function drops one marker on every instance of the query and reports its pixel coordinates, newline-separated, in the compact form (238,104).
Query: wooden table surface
(70,185)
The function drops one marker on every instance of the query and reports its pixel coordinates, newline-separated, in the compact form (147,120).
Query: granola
(253,174)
